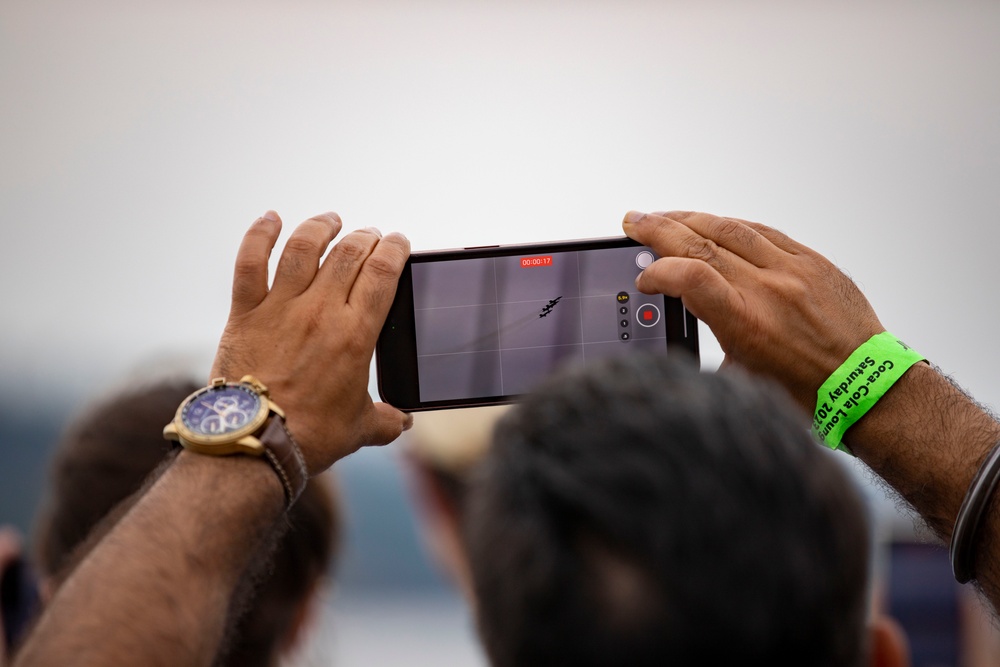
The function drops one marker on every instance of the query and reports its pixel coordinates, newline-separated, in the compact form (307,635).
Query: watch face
(219,411)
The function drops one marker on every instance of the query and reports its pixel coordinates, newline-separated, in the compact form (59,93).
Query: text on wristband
(827,416)
(851,391)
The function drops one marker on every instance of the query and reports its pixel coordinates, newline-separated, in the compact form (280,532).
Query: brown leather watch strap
(284,456)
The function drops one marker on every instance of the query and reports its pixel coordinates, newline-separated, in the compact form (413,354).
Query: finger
(300,258)
(733,234)
(703,290)
(375,286)
(779,239)
(672,238)
(383,424)
(250,275)
(341,267)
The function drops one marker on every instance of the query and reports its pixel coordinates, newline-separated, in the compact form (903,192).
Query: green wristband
(858,384)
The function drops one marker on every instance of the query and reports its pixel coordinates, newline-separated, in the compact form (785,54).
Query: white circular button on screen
(644,259)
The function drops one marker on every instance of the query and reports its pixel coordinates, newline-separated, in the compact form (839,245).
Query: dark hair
(639,512)
(108,453)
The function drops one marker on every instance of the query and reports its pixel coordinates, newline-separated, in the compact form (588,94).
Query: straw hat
(453,440)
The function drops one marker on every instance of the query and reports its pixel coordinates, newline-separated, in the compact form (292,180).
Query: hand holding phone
(481,326)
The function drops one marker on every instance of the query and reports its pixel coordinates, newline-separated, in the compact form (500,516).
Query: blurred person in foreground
(107,456)
(444,448)
(441,453)
(636,511)
(160,597)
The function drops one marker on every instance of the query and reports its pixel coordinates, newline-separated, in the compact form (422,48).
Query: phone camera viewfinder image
(488,325)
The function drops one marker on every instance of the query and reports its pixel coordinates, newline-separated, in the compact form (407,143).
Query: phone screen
(490,325)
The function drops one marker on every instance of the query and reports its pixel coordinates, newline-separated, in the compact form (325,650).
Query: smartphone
(482,326)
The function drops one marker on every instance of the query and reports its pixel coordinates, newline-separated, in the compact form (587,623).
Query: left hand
(311,336)
(777,307)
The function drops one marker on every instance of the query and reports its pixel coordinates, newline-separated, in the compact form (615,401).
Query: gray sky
(140,139)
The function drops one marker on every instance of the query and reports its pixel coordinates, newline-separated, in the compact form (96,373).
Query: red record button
(647,315)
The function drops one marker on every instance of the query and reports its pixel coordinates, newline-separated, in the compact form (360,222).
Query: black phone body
(481,326)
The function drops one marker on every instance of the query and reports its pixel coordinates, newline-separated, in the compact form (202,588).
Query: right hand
(310,336)
(777,307)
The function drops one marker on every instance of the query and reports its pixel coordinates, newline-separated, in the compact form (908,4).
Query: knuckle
(383,266)
(351,250)
(302,244)
(245,267)
(737,233)
(398,244)
(762,228)
(703,249)
(792,291)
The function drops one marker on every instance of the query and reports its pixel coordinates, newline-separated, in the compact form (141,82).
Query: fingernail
(408,424)
(271,215)
(634,216)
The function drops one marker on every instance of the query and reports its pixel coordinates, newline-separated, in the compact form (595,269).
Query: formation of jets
(547,308)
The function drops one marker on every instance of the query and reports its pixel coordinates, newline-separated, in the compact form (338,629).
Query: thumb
(704,291)
(384,423)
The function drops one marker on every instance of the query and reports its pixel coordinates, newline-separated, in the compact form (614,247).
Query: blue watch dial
(221,410)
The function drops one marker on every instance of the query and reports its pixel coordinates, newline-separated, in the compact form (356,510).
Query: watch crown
(170,432)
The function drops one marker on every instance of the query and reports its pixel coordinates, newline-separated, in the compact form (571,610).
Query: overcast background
(138,140)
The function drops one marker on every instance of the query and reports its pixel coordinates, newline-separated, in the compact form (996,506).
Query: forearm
(157,589)
(927,439)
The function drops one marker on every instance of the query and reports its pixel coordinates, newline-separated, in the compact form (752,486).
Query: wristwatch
(239,418)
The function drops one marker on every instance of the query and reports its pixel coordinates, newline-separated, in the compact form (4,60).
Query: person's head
(108,454)
(442,449)
(639,512)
